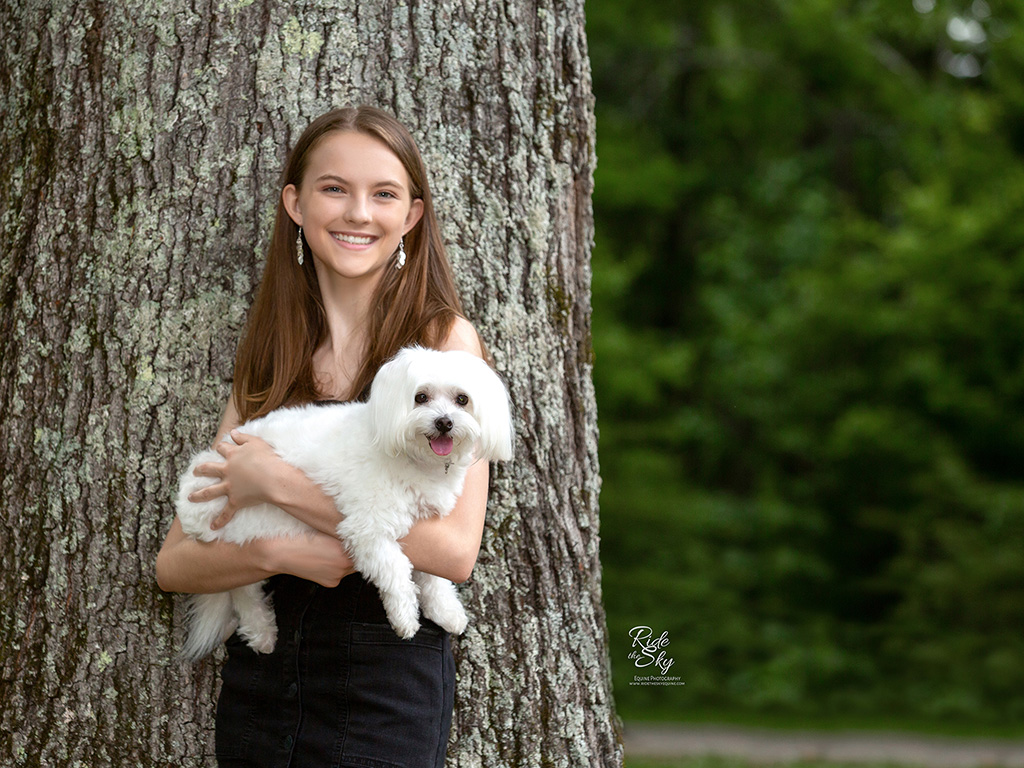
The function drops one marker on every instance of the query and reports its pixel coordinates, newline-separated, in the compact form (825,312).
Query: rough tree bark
(139,147)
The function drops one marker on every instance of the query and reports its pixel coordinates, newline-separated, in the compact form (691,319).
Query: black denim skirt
(340,689)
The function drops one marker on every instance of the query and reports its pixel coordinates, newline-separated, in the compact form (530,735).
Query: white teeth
(352,239)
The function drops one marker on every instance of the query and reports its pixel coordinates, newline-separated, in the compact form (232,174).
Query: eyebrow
(384,183)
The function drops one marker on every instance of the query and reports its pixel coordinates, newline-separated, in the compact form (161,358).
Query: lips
(442,445)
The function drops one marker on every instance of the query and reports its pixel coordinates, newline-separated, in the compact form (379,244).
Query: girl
(355,271)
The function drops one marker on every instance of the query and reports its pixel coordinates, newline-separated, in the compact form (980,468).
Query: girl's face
(354,205)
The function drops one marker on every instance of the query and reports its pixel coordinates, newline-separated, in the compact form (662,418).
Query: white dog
(388,462)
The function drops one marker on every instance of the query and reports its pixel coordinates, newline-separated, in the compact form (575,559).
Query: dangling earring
(401,254)
(298,245)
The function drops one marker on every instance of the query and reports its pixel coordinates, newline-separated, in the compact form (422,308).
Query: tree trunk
(140,146)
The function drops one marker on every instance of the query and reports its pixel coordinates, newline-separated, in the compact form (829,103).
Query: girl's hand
(245,475)
(318,557)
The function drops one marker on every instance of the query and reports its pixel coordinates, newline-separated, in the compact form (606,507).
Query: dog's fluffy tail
(212,619)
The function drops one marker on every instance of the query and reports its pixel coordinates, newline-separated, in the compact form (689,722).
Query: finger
(208,493)
(240,437)
(224,518)
(209,469)
(225,449)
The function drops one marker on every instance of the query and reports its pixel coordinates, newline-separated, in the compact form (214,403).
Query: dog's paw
(458,623)
(403,611)
(456,626)
(407,631)
(262,641)
(264,644)
(404,618)
(450,616)
(405,622)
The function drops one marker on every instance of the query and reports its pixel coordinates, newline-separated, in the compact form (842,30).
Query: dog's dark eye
(462,399)
(421,398)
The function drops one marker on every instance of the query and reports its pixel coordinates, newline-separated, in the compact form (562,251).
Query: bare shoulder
(463,336)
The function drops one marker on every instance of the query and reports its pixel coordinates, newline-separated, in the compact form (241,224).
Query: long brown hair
(417,304)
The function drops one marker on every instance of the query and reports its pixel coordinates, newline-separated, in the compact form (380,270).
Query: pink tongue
(442,446)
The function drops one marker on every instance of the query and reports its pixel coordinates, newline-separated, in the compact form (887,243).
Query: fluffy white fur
(381,462)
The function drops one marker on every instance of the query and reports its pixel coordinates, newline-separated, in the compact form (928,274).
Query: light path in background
(649,740)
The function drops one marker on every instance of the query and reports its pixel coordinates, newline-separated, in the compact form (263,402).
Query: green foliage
(809,313)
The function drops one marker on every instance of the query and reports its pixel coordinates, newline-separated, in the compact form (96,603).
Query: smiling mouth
(353,239)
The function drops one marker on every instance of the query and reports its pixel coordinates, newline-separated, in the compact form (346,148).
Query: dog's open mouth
(441,445)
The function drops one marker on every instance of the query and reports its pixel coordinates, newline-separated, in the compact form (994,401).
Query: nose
(443,425)
(358,209)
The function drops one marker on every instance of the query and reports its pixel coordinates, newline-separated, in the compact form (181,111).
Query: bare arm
(187,565)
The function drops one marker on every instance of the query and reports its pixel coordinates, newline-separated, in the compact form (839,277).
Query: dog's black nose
(443,425)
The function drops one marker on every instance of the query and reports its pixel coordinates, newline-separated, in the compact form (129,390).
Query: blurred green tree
(808,284)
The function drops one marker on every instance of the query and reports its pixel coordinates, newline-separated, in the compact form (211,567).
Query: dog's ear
(493,411)
(390,402)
